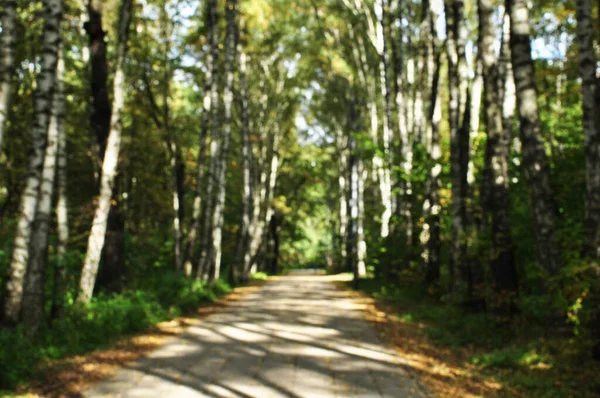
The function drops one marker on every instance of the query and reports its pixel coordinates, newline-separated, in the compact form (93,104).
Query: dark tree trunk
(112,265)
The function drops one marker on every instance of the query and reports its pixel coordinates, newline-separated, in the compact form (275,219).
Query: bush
(102,322)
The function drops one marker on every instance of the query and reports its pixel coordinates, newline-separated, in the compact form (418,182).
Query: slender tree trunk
(207,228)
(459,142)
(503,269)
(260,183)
(230,58)
(62,216)
(176,159)
(431,229)
(342,144)
(267,177)
(507,85)
(197,209)
(8,40)
(385,86)
(42,107)
(242,239)
(100,119)
(474,113)
(33,293)
(435,154)
(100,112)
(109,166)
(591,125)
(405,208)
(361,244)
(535,161)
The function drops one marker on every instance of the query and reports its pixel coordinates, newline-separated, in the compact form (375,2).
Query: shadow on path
(296,337)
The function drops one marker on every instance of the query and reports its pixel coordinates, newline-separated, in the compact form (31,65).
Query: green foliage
(260,276)
(102,322)
(510,358)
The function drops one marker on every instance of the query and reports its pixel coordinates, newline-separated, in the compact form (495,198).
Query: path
(298,336)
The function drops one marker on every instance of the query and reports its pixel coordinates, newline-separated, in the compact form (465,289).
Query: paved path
(298,336)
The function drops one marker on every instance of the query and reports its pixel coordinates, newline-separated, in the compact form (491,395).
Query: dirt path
(298,336)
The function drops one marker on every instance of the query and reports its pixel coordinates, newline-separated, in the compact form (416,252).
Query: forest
(155,154)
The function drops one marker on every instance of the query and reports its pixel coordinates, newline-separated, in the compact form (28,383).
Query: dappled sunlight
(268,345)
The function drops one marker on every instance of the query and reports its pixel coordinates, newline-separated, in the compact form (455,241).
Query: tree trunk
(507,85)
(230,60)
(591,126)
(8,40)
(109,166)
(100,112)
(405,206)
(242,240)
(259,182)
(262,191)
(62,218)
(100,119)
(206,254)
(342,144)
(432,208)
(197,209)
(503,269)
(352,224)
(459,142)
(33,293)
(435,154)
(385,86)
(42,106)
(535,161)
(176,159)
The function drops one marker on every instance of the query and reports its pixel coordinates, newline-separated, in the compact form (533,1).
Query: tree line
(435,143)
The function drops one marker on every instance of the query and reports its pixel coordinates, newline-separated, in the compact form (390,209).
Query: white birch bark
(33,294)
(247,195)
(361,244)
(385,175)
(109,165)
(535,161)
(62,221)
(342,143)
(42,109)
(206,256)
(230,60)
(8,39)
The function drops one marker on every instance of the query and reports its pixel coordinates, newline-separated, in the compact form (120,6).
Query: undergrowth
(523,356)
(107,318)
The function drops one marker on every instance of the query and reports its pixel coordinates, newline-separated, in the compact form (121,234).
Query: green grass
(108,317)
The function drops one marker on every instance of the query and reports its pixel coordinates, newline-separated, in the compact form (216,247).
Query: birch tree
(8,39)
(46,82)
(406,148)
(109,165)
(62,212)
(206,254)
(230,61)
(430,236)
(459,138)
(535,160)
(100,122)
(502,266)
(200,173)
(33,294)
(242,238)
